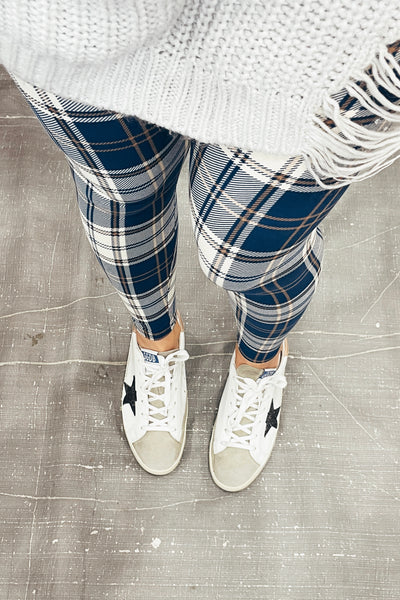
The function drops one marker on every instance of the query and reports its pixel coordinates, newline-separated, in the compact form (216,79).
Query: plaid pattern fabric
(256,223)
(125,171)
(255,217)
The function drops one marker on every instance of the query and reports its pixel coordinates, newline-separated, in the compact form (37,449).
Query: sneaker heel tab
(182,340)
(285,348)
(179,319)
(182,333)
(133,341)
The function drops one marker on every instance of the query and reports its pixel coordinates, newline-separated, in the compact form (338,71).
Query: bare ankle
(169,342)
(273,363)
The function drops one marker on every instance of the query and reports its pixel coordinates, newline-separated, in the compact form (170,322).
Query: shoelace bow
(157,385)
(253,400)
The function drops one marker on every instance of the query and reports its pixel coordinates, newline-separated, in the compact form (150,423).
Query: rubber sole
(245,484)
(174,465)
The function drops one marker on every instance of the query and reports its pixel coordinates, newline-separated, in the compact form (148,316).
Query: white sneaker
(154,406)
(247,423)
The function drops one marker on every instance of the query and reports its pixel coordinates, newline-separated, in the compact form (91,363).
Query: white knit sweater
(257,74)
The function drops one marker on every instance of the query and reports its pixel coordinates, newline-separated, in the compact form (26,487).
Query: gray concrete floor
(79,518)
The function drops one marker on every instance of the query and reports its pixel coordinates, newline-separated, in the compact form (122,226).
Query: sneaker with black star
(247,423)
(154,406)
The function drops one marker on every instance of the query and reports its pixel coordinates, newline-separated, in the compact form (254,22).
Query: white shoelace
(252,403)
(157,386)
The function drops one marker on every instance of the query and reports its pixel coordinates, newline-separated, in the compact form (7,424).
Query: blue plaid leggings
(255,217)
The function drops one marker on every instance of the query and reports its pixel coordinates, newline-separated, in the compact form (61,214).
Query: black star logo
(271,420)
(130,395)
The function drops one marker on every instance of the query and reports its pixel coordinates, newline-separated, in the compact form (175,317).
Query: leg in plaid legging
(255,218)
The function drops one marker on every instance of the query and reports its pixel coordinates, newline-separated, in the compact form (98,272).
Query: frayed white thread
(350,152)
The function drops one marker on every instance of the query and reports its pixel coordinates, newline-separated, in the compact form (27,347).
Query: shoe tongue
(152,357)
(267,373)
(250,372)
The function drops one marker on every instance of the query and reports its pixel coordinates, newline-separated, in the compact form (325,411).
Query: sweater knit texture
(254,74)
